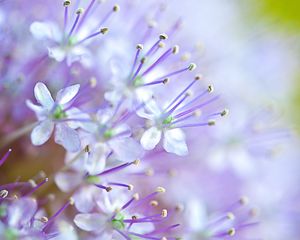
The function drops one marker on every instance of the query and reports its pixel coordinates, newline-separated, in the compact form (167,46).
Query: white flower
(50,113)
(173,138)
(59,46)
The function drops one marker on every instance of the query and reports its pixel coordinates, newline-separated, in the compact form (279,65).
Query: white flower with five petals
(51,114)
(173,138)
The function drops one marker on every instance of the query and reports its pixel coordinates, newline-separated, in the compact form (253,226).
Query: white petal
(150,138)
(43,96)
(67,137)
(44,30)
(65,95)
(90,221)
(42,132)
(85,198)
(21,211)
(126,149)
(40,112)
(79,54)
(96,159)
(57,53)
(174,142)
(68,181)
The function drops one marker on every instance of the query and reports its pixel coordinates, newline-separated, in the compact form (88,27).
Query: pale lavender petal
(43,96)
(67,137)
(42,132)
(65,95)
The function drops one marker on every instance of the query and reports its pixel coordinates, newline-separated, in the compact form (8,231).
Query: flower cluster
(140,156)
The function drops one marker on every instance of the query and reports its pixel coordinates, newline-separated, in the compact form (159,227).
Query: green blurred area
(285,11)
(286,15)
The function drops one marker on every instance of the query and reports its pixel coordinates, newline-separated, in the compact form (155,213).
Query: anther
(179,208)
(164,238)
(197,113)
(244,200)
(163,36)
(198,77)
(210,88)
(136,196)
(224,112)
(231,232)
(139,46)
(211,123)
(116,8)
(230,216)
(104,30)
(134,217)
(175,49)
(152,23)
(87,149)
(136,162)
(67,3)
(192,66)
(165,81)
(130,187)
(93,82)
(154,203)
(186,56)
(32,183)
(143,60)
(149,172)
(108,189)
(79,11)
(160,190)
(161,45)
(3,193)
(71,201)
(164,213)
(44,219)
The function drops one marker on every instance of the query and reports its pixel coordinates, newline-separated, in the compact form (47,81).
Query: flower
(53,114)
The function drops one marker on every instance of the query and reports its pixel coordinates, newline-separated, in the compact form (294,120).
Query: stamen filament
(3,159)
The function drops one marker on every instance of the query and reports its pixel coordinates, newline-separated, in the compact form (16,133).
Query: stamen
(162,37)
(106,188)
(66,5)
(85,14)
(78,13)
(158,61)
(3,159)
(51,219)
(128,186)
(135,197)
(118,168)
(36,186)
(101,31)
(116,8)
(139,48)
(191,67)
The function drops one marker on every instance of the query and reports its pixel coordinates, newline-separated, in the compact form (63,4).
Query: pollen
(210,88)
(104,30)
(136,196)
(164,213)
(79,11)
(224,113)
(231,232)
(244,200)
(192,66)
(116,8)
(139,46)
(67,3)
(163,36)
(154,203)
(175,49)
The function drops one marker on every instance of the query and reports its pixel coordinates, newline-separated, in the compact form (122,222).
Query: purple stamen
(183,92)
(119,184)
(196,107)
(123,234)
(90,36)
(116,169)
(158,61)
(37,187)
(74,25)
(3,159)
(135,60)
(193,125)
(85,14)
(51,219)
(166,229)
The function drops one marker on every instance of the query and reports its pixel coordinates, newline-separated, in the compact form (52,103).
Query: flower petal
(126,149)
(57,53)
(44,31)
(151,138)
(174,142)
(65,95)
(42,132)
(67,137)
(43,96)
(96,159)
(90,221)
(67,181)
(21,211)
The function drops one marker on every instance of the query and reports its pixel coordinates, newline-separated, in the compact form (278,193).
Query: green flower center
(168,120)
(138,81)
(59,113)
(108,133)
(10,234)
(93,179)
(118,222)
